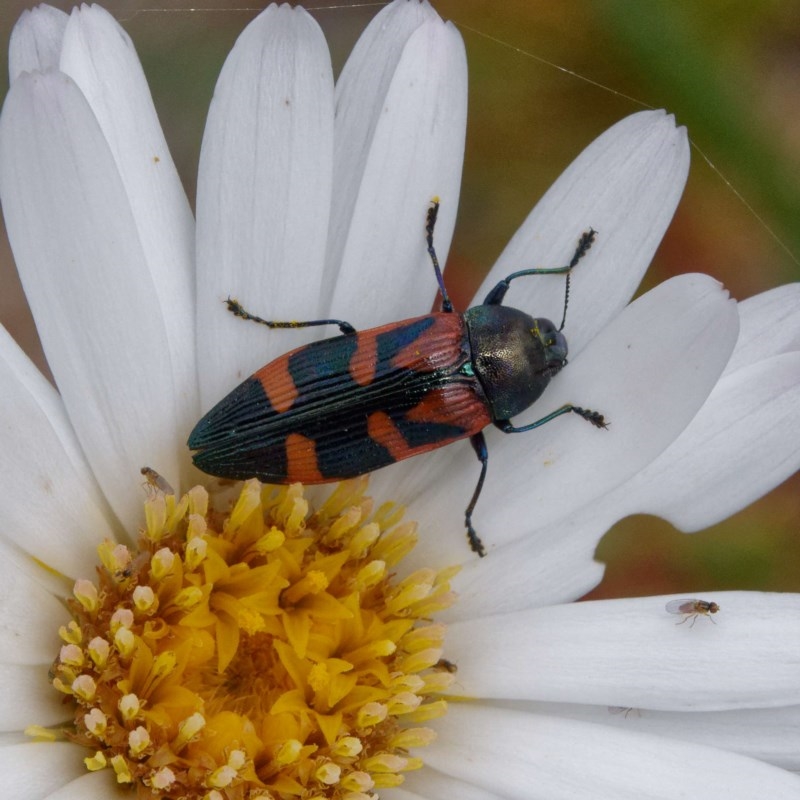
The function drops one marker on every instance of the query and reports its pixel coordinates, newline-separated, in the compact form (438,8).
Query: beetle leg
(235,307)
(479,446)
(496,295)
(433,213)
(594,417)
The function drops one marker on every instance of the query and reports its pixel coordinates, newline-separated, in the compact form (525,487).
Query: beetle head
(513,355)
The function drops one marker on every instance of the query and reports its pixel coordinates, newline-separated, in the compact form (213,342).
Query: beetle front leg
(498,293)
(236,308)
(594,417)
(479,446)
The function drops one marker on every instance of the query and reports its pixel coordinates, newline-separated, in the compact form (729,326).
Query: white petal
(632,653)
(768,734)
(91,786)
(527,757)
(263,195)
(743,442)
(28,698)
(36,40)
(34,769)
(644,372)
(626,185)
(771,735)
(770,324)
(435,785)
(100,57)
(699,480)
(402,794)
(28,634)
(400,128)
(97,53)
(702,477)
(360,90)
(547,566)
(51,508)
(85,275)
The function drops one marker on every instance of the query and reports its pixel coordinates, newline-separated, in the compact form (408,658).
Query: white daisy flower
(275,644)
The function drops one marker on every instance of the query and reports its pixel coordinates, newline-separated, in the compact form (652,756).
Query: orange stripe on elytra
(364,361)
(461,405)
(441,345)
(278,384)
(382,429)
(301,459)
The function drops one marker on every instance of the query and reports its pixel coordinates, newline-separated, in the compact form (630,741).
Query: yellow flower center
(264,653)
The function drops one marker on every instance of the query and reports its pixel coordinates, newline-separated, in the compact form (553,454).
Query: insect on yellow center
(266,652)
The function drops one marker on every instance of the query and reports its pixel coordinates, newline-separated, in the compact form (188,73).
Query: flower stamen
(263,654)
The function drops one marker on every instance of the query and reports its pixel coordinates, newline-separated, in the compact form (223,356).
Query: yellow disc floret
(264,652)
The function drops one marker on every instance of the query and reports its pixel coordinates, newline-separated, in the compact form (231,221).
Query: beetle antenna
(566,301)
(584,243)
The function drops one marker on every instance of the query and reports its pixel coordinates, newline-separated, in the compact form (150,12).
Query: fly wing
(682,606)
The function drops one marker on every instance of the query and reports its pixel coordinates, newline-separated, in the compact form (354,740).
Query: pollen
(265,650)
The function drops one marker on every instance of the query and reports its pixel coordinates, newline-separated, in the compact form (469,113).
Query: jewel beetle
(353,403)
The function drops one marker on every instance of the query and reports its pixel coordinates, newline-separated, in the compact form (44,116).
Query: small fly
(691,608)
(156,482)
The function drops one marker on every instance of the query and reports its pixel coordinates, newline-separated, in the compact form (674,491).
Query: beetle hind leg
(479,446)
(236,308)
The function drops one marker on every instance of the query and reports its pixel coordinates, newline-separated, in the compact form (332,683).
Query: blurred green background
(545,79)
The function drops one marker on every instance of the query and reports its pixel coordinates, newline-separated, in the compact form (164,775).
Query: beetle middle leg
(236,308)
(478,442)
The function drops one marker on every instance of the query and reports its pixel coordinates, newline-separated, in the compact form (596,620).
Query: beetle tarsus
(475,543)
(595,417)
